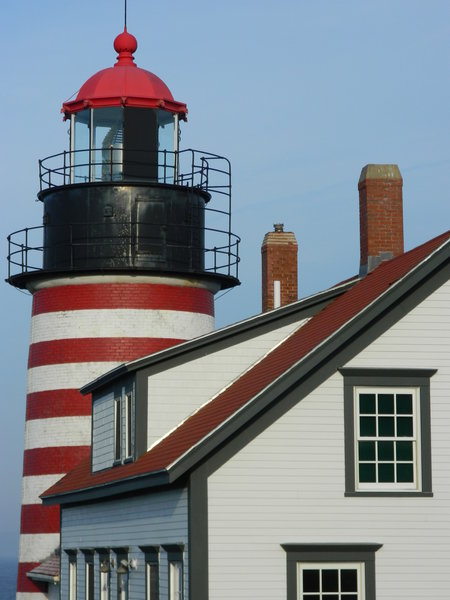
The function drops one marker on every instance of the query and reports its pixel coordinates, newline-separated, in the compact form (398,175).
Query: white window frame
(176,584)
(124,425)
(416,484)
(358,566)
(149,564)
(89,578)
(73,577)
(128,400)
(117,429)
(105,585)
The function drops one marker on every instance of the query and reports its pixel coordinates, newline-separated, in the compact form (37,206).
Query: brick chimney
(279,268)
(380,215)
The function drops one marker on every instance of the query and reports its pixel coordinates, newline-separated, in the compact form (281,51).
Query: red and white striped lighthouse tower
(122,266)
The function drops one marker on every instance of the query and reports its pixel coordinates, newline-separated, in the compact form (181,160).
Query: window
(124,426)
(386,450)
(151,572)
(331,571)
(330,581)
(176,580)
(122,572)
(104,585)
(105,573)
(387,431)
(72,575)
(89,576)
(176,577)
(128,424)
(117,429)
(122,585)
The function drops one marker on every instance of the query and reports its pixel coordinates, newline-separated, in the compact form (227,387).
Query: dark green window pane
(366,450)
(367,473)
(367,404)
(350,597)
(385,451)
(311,597)
(404,450)
(404,426)
(330,580)
(311,580)
(330,596)
(386,404)
(349,580)
(367,426)
(405,473)
(404,404)
(386,473)
(385,426)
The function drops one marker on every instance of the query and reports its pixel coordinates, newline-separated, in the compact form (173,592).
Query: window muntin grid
(387,438)
(330,581)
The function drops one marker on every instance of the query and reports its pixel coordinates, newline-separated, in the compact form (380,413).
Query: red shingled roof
(48,570)
(202,423)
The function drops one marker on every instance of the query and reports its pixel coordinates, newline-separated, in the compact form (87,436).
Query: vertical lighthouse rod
(125,13)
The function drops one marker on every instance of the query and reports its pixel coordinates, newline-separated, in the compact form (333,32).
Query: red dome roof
(124,84)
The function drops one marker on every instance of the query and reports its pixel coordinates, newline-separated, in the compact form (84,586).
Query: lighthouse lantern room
(135,241)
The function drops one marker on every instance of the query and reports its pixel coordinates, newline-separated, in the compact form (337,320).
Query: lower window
(330,581)
(330,571)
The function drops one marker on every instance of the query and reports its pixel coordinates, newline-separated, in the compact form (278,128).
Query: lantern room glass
(80,143)
(105,140)
(107,144)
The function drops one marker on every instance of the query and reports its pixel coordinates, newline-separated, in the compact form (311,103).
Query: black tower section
(138,222)
(134,226)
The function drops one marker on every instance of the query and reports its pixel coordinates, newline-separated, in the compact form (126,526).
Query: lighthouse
(135,241)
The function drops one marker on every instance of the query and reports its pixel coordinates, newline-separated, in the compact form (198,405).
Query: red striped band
(80,350)
(56,459)
(57,403)
(25,584)
(36,518)
(123,295)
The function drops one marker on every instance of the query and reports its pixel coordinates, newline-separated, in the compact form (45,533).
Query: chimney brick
(380,214)
(279,263)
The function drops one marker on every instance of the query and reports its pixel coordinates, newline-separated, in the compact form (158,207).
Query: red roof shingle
(212,415)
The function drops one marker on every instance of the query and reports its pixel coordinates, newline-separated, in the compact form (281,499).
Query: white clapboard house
(303,454)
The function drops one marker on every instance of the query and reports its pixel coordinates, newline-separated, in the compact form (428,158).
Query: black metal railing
(90,246)
(29,248)
(193,168)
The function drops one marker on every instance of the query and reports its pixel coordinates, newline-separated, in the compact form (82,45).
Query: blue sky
(298,95)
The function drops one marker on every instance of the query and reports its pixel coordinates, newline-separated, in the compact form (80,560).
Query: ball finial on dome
(125,45)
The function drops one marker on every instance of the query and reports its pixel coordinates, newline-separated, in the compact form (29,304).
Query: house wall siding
(288,484)
(186,387)
(103,432)
(143,520)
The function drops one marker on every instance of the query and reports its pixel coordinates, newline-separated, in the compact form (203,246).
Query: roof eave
(122,486)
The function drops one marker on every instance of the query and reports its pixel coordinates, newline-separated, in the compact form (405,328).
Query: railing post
(215,259)
(40,175)
(111,163)
(26,250)
(64,168)
(165,163)
(175,168)
(9,255)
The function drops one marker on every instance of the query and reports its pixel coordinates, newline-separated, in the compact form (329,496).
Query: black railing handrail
(20,250)
(189,167)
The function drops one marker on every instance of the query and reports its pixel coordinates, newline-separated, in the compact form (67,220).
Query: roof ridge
(261,375)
